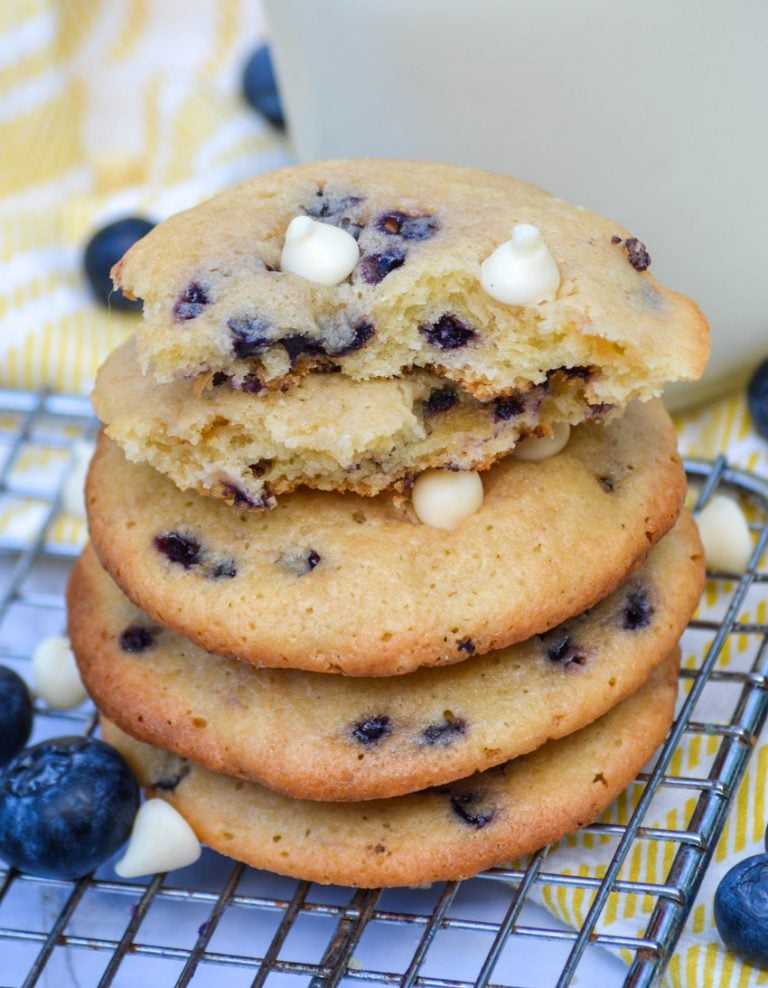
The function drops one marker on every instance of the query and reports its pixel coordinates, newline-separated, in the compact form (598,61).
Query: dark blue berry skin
(260,88)
(15,714)
(741,909)
(757,399)
(66,805)
(104,250)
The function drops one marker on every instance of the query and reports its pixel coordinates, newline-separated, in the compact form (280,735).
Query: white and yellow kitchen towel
(108,108)
(117,107)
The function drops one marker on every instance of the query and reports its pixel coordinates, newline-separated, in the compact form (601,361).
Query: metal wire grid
(420,920)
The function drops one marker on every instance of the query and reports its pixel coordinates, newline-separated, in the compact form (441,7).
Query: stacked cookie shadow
(322,681)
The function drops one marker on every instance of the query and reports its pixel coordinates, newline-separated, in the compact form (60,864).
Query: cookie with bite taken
(380,267)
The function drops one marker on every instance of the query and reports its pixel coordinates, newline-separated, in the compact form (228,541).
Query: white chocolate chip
(542,447)
(318,251)
(161,840)
(55,674)
(725,535)
(521,271)
(444,498)
(73,488)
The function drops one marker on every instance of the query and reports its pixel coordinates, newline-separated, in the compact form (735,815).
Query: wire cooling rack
(221,923)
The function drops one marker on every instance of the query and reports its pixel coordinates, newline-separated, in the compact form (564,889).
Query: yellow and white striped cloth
(108,108)
(117,107)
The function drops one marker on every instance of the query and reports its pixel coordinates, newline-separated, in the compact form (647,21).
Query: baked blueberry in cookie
(468,807)
(447,333)
(372,730)
(408,227)
(191,302)
(168,782)
(445,731)
(137,638)
(374,268)
(638,610)
(560,647)
(184,550)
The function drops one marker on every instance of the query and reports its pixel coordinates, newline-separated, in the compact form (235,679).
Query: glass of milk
(652,113)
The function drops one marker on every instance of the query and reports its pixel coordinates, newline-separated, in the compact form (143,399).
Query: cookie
(329,432)
(217,301)
(448,832)
(315,736)
(336,583)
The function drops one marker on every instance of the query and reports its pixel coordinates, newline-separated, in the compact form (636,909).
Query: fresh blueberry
(757,398)
(741,909)
(448,333)
(66,805)
(104,250)
(15,714)
(260,88)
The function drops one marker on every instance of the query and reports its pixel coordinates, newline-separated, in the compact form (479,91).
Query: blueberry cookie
(447,832)
(315,736)
(385,271)
(337,583)
(329,432)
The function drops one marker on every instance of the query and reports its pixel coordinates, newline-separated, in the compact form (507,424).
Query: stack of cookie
(388,564)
